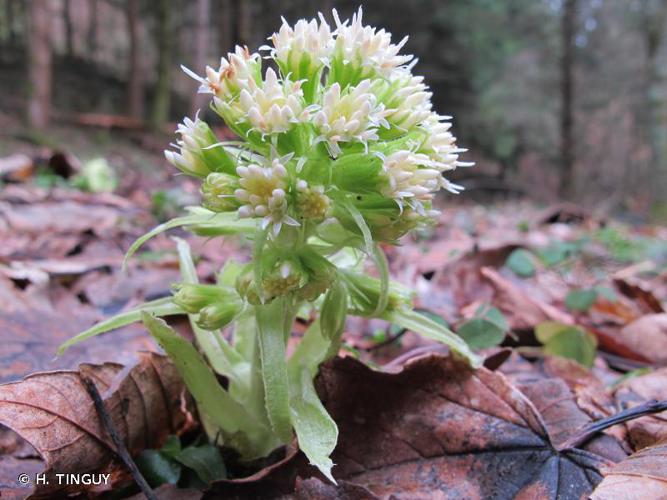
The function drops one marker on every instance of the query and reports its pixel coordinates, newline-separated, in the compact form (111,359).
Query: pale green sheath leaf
(241,429)
(316,431)
(219,353)
(158,307)
(426,327)
(332,316)
(202,221)
(274,366)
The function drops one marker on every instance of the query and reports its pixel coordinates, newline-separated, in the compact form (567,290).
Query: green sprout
(338,152)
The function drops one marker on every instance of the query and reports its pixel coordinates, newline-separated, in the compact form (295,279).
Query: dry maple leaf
(436,429)
(642,475)
(55,414)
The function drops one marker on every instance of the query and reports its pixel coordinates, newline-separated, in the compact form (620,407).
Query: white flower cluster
(340,91)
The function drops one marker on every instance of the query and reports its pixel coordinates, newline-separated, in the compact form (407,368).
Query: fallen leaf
(642,475)
(522,311)
(54,413)
(645,339)
(438,429)
(648,430)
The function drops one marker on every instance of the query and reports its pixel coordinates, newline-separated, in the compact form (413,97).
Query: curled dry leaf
(642,475)
(521,310)
(645,339)
(648,430)
(438,429)
(53,411)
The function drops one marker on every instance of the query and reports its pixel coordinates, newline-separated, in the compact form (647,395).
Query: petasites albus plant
(338,150)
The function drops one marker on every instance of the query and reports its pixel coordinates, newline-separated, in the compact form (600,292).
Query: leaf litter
(420,427)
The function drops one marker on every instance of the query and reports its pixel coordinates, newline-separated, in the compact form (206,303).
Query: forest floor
(568,304)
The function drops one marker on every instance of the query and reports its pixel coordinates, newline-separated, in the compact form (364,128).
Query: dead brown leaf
(645,339)
(438,429)
(522,311)
(54,413)
(651,429)
(642,475)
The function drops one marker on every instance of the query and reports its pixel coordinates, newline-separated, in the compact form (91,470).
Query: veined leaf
(158,307)
(316,431)
(240,428)
(272,340)
(418,323)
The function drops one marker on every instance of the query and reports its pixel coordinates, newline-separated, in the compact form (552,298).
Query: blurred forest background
(554,98)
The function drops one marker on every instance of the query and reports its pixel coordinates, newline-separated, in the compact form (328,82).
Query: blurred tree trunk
(164,37)
(201,50)
(135,82)
(39,63)
(567,158)
(69,31)
(225,26)
(241,14)
(655,18)
(92,30)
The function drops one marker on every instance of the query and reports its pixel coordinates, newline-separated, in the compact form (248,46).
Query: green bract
(337,152)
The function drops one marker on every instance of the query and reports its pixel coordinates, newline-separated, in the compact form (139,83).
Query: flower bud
(287,277)
(219,314)
(312,203)
(218,192)
(365,293)
(193,297)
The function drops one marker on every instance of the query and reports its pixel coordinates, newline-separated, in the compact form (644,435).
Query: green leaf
(203,222)
(333,312)
(418,323)
(242,430)
(567,341)
(157,469)
(271,325)
(480,333)
(158,307)
(171,446)
(316,431)
(581,300)
(205,460)
(521,262)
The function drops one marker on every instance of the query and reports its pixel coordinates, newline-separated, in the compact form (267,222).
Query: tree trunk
(39,63)
(92,30)
(656,100)
(69,31)
(567,157)
(135,83)
(225,25)
(164,37)
(201,50)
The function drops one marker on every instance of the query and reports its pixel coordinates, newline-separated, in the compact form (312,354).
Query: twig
(121,450)
(590,430)
(389,340)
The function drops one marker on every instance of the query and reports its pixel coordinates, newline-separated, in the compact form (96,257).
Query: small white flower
(440,143)
(263,194)
(272,108)
(359,44)
(410,104)
(412,177)
(306,39)
(353,115)
(235,72)
(194,136)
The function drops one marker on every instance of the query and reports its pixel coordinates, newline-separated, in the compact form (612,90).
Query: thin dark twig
(121,450)
(389,340)
(590,430)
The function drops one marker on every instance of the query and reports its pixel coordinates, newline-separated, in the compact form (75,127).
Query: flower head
(191,157)
(263,193)
(235,72)
(363,46)
(303,50)
(274,107)
(352,115)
